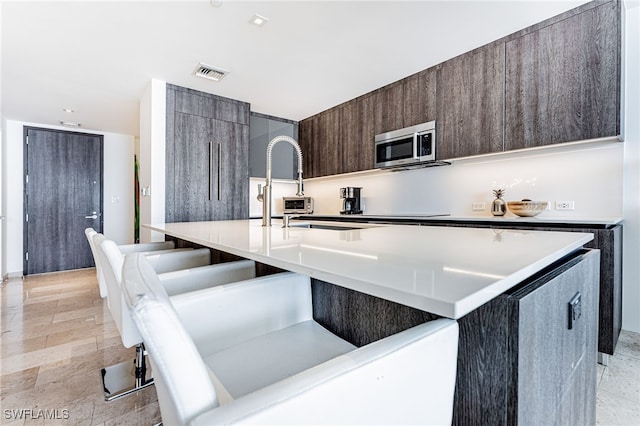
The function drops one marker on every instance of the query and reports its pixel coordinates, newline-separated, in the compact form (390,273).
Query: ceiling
(97,57)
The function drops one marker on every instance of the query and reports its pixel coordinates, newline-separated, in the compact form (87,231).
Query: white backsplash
(279,189)
(591,176)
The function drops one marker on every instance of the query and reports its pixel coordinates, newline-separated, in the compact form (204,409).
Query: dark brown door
(63,196)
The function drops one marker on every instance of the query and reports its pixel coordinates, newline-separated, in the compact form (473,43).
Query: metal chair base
(127,377)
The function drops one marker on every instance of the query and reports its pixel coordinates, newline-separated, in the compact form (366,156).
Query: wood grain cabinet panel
(358,134)
(307,129)
(556,364)
(329,144)
(420,97)
(207,157)
(389,108)
(339,140)
(470,103)
(563,81)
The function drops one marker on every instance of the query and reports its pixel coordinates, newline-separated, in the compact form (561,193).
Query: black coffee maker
(350,200)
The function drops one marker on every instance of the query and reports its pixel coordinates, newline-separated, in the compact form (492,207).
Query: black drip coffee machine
(350,200)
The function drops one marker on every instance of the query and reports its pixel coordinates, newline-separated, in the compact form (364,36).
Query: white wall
(118,189)
(631,207)
(279,189)
(591,177)
(152,157)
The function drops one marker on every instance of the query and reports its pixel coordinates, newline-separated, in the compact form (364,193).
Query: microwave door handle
(416,141)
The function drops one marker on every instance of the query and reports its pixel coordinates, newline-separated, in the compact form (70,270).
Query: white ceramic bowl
(527,208)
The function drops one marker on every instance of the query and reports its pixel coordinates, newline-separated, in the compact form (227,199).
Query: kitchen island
(526,302)
(445,271)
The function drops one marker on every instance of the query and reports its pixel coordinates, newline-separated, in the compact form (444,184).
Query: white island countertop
(447,271)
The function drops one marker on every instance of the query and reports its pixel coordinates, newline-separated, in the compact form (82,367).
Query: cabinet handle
(219,171)
(210,171)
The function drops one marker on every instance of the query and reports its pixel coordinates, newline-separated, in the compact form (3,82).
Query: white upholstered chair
(180,271)
(250,352)
(127,248)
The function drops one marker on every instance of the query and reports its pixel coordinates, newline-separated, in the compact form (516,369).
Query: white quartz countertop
(509,219)
(448,271)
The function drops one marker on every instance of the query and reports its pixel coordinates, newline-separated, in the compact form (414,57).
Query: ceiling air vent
(209,72)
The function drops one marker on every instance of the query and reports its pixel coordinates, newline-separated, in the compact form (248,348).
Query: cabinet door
(556,366)
(470,103)
(211,169)
(389,108)
(194,102)
(230,170)
(420,97)
(329,143)
(563,81)
(309,145)
(192,165)
(358,135)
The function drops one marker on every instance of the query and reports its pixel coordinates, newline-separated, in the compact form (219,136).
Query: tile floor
(57,333)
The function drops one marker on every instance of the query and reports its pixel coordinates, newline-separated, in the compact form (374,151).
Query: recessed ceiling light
(68,110)
(70,124)
(258,20)
(215,3)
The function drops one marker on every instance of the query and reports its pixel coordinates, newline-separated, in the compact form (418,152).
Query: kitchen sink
(333,226)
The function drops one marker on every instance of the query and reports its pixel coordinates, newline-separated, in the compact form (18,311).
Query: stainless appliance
(411,145)
(350,200)
(297,205)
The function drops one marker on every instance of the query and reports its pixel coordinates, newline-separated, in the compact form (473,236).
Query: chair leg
(122,379)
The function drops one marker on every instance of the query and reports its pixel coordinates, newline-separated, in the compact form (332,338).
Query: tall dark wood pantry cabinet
(207,157)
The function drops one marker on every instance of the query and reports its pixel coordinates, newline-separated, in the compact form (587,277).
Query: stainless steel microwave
(411,145)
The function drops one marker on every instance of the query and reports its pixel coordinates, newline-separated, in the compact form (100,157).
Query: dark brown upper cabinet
(358,133)
(339,140)
(554,82)
(470,103)
(419,97)
(563,80)
(309,146)
(389,108)
(331,142)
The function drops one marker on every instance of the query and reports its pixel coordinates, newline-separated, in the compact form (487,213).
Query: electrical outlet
(565,205)
(477,206)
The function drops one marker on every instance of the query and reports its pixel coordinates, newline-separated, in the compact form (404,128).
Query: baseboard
(10,275)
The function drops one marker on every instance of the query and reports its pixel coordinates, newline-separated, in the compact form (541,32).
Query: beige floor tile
(22,346)
(628,344)
(18,382)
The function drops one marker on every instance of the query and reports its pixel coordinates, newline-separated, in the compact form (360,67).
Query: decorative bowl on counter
(527,208)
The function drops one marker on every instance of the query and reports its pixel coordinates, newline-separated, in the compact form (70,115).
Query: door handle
(92,216)
(219,171)
(210,171)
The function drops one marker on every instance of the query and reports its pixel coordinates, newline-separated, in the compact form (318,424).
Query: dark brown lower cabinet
(518,360)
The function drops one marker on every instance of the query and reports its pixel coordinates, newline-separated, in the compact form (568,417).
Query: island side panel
(481,383)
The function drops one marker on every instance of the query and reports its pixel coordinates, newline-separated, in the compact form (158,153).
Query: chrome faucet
(266,190)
